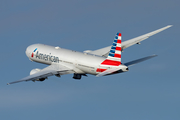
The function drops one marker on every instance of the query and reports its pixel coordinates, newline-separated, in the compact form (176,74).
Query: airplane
(101,62)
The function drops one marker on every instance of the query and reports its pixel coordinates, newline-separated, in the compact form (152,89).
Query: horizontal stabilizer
(107,72)
(139,60)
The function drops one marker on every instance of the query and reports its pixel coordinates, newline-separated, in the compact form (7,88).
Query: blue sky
(150,90)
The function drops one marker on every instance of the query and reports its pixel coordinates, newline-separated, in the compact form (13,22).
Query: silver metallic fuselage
(82,62)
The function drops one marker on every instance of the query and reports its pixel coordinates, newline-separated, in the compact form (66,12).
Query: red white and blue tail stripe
(114,57)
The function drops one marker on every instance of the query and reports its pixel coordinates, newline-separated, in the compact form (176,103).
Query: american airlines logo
(32,55)
(45,57)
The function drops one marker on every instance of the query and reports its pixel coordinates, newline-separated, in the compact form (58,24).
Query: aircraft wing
(51,70)
(105,51)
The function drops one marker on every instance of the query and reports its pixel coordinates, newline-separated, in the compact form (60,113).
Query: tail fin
(114,57)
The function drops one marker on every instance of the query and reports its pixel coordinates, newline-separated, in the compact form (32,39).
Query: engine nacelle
(33,71)
(77,76)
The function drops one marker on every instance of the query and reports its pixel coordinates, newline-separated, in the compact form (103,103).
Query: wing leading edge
(105,51)
(54,69)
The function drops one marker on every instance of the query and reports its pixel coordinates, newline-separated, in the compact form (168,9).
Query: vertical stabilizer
(114,57)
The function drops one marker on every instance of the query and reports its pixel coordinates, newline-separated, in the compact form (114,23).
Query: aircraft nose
(29,51)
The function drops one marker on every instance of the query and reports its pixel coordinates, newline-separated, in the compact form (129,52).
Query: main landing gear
(78,76)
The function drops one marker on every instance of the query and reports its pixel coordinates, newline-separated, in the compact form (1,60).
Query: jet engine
(77,76)
(33,71)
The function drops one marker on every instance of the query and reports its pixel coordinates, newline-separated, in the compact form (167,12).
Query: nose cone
(27,52)
(30,50)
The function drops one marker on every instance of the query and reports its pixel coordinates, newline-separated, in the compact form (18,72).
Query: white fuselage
(81,63)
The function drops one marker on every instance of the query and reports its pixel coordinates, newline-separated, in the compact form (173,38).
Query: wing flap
(102,51)
(133,41)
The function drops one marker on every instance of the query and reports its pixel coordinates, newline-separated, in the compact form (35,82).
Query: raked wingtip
(169,25)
